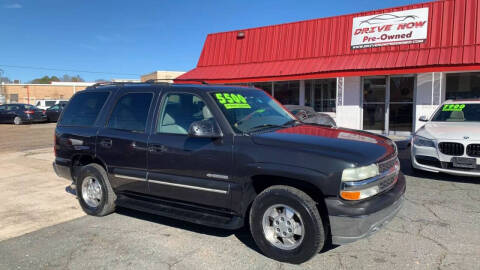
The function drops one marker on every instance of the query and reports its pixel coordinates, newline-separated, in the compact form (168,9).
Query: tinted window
(83,109)
(131,112)
(2,107)
(49,103)
(179,111)
(13,107)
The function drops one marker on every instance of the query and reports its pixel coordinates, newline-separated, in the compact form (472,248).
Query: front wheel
(286,224)
(94,192)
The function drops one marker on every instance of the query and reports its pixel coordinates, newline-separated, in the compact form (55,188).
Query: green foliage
(46,80)
(64,78)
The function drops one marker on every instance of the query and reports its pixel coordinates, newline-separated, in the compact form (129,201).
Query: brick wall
(36,91)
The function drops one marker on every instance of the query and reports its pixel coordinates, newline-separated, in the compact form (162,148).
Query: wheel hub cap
(91,191)
(283,227)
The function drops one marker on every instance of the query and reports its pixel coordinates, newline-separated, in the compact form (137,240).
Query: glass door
(374,103)
(400,107)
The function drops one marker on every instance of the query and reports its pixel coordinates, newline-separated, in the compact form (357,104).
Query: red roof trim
(325,75)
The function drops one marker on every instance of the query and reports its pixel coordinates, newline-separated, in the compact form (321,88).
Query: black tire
(17,120)
(107,202)
(314,235)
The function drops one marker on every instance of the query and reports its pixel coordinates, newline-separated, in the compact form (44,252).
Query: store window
(463,85)
(287,92)
(265,86)
(321,95)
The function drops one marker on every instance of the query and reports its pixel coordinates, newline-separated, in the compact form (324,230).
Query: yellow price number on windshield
(232,101)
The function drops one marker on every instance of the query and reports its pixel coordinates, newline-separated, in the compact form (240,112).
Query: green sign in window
(232,101)
(453,107)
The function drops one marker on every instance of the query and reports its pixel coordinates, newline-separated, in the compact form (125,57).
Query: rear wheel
(286,224)
(94,192)
(17,120)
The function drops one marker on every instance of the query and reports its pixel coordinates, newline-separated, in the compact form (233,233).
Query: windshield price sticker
(232,101)
(453,107)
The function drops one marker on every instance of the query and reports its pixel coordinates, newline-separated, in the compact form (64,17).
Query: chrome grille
(451,148)
(386,182)
(385,166)
(473,150)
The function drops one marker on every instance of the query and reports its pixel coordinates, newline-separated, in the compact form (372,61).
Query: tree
(46,80)
(68,78)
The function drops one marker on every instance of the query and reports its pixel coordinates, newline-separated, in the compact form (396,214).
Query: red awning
(320,48)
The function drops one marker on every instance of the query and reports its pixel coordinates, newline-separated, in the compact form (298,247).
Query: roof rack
(194,80)
(105,84)
(158,81)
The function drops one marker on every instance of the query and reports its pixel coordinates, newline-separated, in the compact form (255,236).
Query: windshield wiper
(284,125)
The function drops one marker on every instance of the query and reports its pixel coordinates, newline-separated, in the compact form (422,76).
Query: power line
(69,70)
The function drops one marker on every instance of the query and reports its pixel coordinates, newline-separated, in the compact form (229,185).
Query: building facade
(29,93)
(161,76)
(378,71)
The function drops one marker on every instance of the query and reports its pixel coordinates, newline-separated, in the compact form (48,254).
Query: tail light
(29,112)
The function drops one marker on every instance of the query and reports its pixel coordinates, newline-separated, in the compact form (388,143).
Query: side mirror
(423,118)
(207,128)
(301,115)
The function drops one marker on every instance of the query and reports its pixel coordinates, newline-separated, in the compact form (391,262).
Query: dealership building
(378,70)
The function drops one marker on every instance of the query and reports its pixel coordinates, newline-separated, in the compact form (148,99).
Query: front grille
(385,166)
(451,148)
(386,182)
(473,150)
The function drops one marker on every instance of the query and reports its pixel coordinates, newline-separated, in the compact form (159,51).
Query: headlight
(360,173)
(422,141)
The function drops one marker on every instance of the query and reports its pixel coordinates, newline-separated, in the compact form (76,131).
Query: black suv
(225,157)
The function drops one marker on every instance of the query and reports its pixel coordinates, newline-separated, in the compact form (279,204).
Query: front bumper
(439,163)
(350,222)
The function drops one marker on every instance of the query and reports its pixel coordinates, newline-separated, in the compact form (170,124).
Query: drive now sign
(395,28)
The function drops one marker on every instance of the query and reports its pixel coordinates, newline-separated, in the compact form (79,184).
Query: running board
(189,213)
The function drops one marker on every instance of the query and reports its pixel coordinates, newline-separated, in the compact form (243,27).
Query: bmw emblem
(466,137)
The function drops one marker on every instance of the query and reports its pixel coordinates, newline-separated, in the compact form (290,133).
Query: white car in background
(47,103)
(449,142)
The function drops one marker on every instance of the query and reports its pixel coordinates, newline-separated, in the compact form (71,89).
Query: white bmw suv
(449,142)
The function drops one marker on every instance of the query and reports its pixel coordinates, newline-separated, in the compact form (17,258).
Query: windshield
(248,110)
(458,113)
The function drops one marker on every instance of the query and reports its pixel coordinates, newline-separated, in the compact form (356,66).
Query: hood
(358,147)
(450,130)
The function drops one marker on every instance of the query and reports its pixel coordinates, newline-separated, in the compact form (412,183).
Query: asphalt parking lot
(42,227)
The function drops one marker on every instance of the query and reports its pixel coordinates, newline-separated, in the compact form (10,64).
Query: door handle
(157,148)
(106,143)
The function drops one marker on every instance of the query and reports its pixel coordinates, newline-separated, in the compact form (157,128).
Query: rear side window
(131,112)
(83,109)
(50,103)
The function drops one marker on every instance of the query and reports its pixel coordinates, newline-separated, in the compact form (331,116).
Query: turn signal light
(350,195)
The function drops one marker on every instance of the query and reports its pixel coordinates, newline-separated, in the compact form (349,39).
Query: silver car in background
(449,142)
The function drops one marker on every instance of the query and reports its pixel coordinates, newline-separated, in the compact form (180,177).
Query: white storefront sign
(402,27)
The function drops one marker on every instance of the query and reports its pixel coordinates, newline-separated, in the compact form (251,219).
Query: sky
(124,39)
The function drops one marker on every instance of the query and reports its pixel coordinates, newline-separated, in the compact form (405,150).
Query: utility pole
(3,96)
